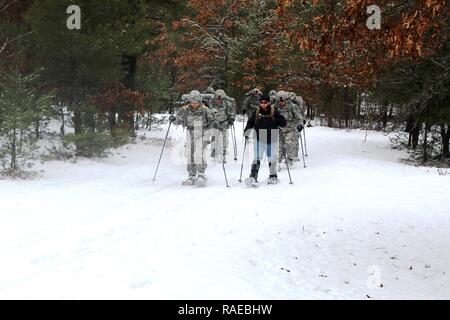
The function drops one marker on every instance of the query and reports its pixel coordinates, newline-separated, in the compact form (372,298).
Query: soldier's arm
(297,112)
(280,119)
(210,117)
(246,104)
(180,116)
(231,111)
(250,122)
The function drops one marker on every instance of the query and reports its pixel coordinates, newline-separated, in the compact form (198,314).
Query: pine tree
(21,104)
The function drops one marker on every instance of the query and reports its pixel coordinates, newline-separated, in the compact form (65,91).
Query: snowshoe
(202,180)
(251,182)
(189,181)
(273,180)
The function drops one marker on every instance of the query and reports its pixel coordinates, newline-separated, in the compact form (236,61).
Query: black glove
(215,125)
(172,118)
(230,122)
(244,112)
(304,122)
(300,128)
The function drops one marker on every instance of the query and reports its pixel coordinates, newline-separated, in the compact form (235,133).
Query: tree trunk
(445,134)
(36,129)
(112,120)
(425,143)
(130,64)
(63,125)
(415,134)
(13,150)
(77,121)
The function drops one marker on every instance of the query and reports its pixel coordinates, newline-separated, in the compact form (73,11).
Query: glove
(300,128)
(304,122)
(230,122)
(244,112)
(215,125)
(172,118)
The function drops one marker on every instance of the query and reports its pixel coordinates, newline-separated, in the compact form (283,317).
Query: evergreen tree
(20,104)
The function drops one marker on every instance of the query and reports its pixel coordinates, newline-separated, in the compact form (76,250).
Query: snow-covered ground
(356,224)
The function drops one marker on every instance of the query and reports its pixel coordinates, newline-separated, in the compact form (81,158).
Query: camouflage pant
(195,149)
(220,141)
(289,144)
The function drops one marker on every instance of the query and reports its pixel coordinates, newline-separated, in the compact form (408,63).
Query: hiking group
(275,122)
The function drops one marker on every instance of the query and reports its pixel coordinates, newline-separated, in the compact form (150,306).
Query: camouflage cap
(220,94)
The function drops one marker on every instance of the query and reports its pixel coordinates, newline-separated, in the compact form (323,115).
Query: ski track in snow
(102,229)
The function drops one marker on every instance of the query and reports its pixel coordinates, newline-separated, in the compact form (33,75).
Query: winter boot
(253,180)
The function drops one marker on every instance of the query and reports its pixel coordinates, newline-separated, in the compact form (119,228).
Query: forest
(130,60)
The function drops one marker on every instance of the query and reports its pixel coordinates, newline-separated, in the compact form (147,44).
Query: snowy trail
(101,229)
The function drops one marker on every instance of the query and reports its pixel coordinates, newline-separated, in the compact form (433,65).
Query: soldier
(266,120)
(273,97)
(225,116)
(208,96)
(251,103)
(301,105)
(197,119)
(289,143)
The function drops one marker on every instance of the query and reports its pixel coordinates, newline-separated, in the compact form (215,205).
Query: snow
(356,224)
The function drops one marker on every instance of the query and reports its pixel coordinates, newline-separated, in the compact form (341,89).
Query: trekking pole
(243,156)
(225,173)
(162,151)
(303,151)
(304,134)
(233,133)
(243,123)
(286,159)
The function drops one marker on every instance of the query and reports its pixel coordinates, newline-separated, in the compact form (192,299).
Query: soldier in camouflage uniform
(273,97)
(289,139)
(208,96)
(300,103)
(197,119)
(225,114)
(251,103)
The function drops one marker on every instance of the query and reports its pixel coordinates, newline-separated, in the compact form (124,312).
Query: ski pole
(303,151)
(225,174)
(304,134)
(243,123)
(162,151)
(286,158)
(233,133)
(243,156)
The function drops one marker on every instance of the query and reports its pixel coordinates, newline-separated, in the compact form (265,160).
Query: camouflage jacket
(189,118)
(292,114)
(251,103)
(224,112)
